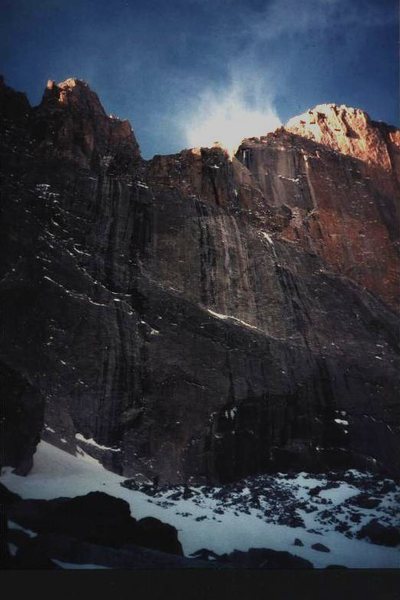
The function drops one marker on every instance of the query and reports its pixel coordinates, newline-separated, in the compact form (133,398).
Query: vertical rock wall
(195,317)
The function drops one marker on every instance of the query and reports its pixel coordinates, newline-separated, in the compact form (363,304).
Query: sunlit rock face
(341,196)
(349,131)
(198,317)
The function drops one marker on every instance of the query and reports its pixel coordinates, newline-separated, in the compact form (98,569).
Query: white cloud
(258,60)
(228,117)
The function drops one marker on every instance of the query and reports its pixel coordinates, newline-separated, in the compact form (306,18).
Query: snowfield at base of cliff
(284,512)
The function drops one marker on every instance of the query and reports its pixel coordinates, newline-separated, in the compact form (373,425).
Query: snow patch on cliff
(92,442)
(231,318)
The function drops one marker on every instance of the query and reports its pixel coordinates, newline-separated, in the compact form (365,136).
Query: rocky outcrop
(320,548)
(98,530)
(95,529)
(71,124)
(96,518)
(196,317)
(350,131)
(262,558)
(380,534)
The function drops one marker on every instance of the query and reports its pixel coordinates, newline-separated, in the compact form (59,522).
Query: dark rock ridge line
(93,529)
(99,530)
(96,518)
(195,318)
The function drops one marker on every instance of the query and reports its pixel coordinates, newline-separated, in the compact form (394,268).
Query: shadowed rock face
(194,317)
(22,420)
(71,124)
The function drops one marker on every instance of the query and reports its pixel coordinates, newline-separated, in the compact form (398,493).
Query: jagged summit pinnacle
(74,93)
(69,82)
(329,107)
(347,130)
(72,122)
(77,93)
(333,114)
(340,127)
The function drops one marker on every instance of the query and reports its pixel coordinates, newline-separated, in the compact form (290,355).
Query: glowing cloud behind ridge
(227,119)
(150,62)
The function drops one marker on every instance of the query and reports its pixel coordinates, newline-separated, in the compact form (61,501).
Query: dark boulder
(377,533)
(342,527)
(320,548)
(262,558)
(315,531)
(152,533)
(365,501)
(298,542)
(315,490)
(355,517)
(96,517)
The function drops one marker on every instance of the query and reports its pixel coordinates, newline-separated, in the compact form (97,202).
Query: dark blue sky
(167,64)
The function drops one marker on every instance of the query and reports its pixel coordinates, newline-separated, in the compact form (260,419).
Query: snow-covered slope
(251,514)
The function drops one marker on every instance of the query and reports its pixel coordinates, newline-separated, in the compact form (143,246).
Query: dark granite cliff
(193,317)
